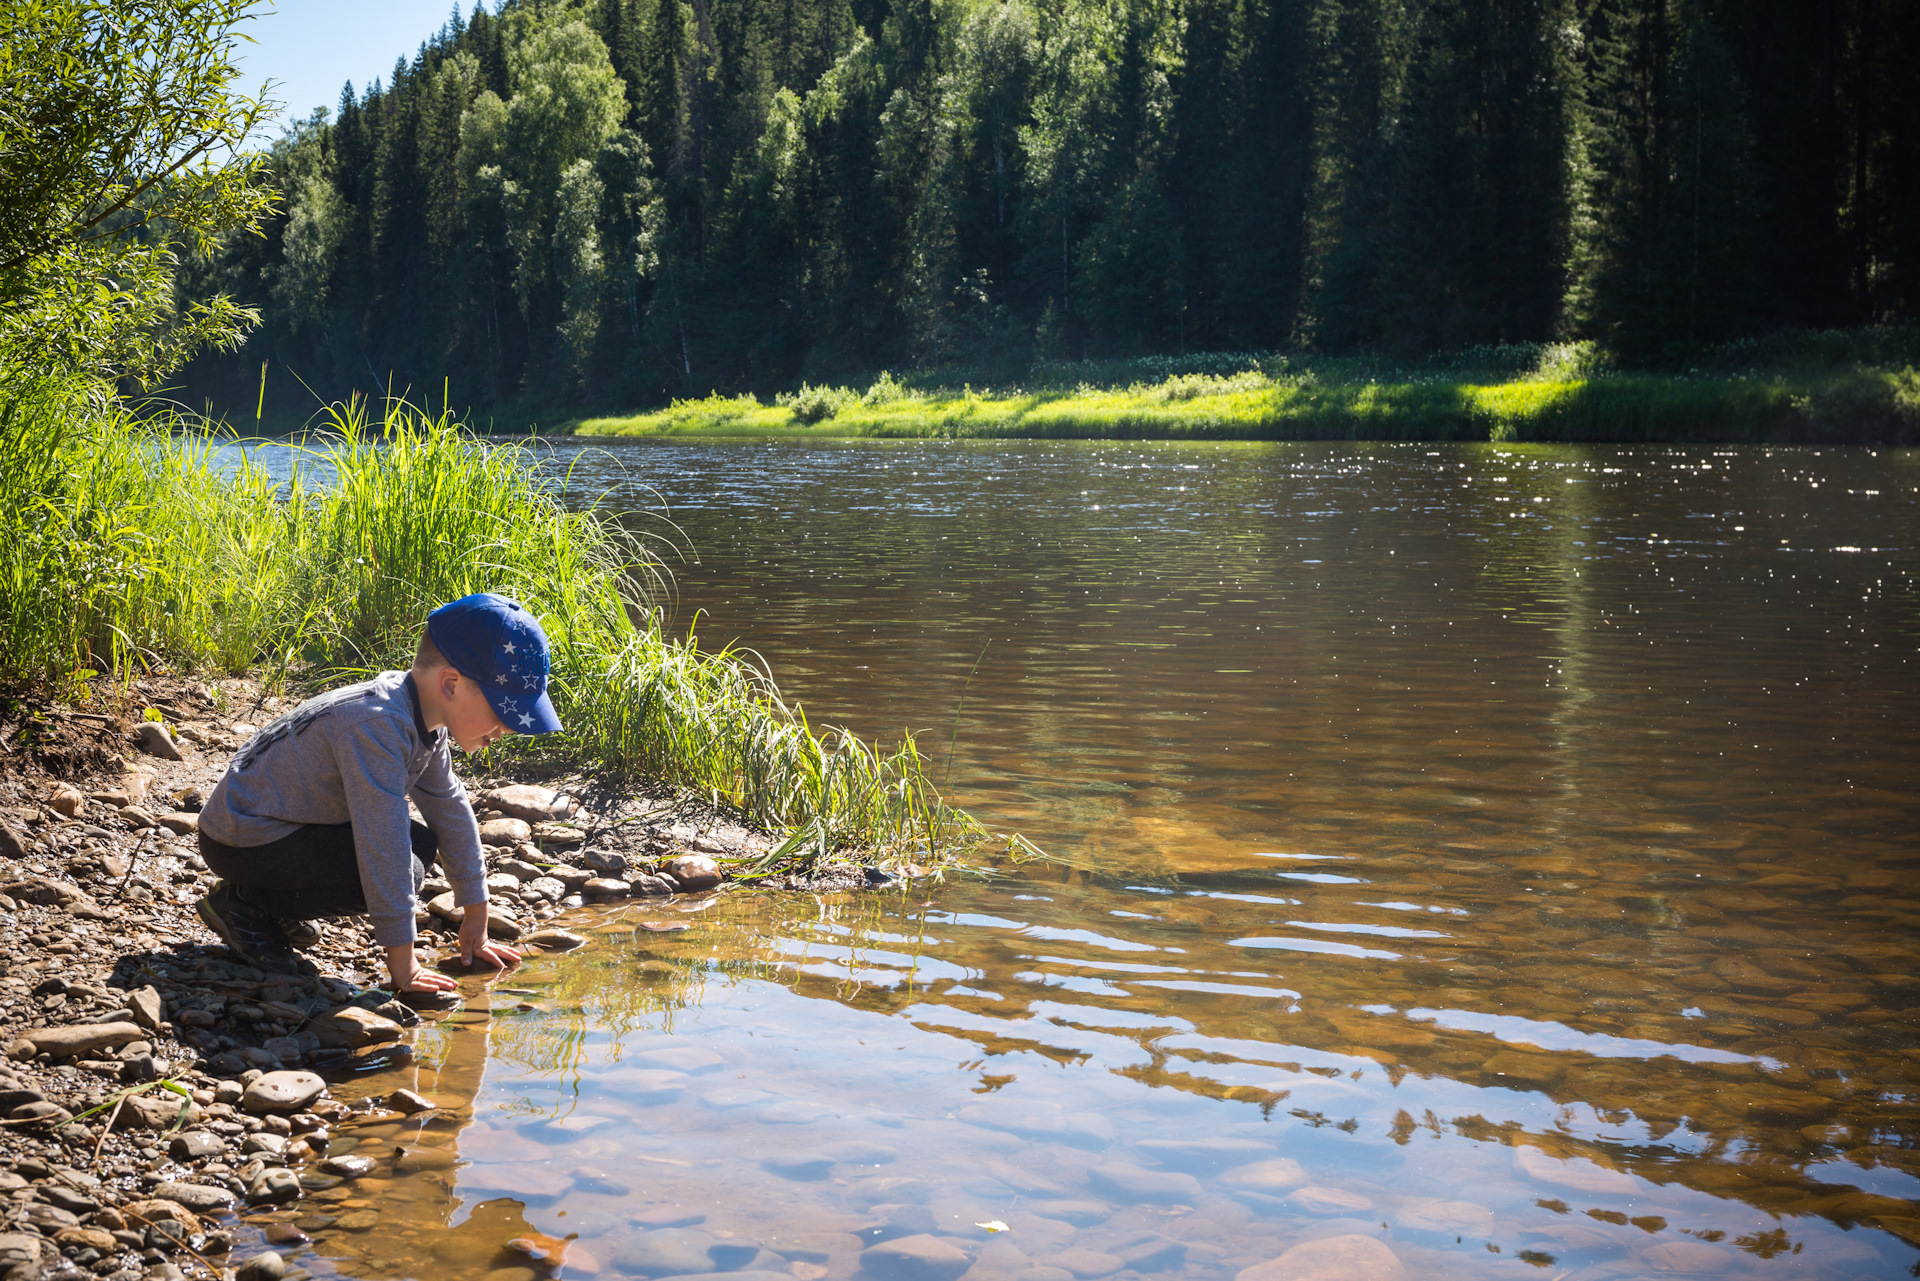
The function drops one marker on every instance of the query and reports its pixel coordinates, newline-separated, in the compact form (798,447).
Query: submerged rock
(916,1258)
(1342,1258)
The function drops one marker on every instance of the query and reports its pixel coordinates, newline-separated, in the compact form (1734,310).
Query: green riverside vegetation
(126,547)
(1859,386)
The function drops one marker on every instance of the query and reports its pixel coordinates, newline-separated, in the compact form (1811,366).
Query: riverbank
(1848,388)
(131,547)
(155,1084)
(1863,408)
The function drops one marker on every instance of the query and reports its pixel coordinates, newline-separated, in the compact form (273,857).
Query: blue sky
(314,46)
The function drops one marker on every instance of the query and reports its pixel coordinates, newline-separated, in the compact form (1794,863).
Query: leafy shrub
(1194,386)
(816,404)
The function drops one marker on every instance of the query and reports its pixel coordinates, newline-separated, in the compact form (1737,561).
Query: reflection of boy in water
(311,817)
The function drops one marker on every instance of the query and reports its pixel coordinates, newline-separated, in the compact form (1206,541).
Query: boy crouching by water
(311,817)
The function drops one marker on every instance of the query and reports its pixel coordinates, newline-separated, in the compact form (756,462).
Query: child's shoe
(255,937)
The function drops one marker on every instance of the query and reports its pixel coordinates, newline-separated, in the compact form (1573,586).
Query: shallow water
(1518,841)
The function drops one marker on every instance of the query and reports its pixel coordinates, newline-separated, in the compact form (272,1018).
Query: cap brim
(537,717)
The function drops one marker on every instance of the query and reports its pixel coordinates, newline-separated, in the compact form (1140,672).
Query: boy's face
(471,722)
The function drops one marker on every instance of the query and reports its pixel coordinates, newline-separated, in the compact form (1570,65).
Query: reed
(132,544)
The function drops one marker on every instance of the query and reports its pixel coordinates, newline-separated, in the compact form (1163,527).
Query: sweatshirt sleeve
(373,773)
(443,804)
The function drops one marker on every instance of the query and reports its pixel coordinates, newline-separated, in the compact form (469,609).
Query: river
(1467,861)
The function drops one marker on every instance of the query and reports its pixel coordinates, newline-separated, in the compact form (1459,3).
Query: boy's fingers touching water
(475,946)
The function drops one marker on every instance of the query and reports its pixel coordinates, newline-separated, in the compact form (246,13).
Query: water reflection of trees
(1741,1127)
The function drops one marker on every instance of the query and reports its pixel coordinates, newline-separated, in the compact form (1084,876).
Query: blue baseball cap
(495,643)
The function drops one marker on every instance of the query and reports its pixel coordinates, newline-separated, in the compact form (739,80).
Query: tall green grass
(131,544)
(1562,392)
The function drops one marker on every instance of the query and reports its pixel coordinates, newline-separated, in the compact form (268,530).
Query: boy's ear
(446,680)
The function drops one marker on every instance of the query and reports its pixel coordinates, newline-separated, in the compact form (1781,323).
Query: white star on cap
(501,679)
(525,719)
(532,682)
(507,648)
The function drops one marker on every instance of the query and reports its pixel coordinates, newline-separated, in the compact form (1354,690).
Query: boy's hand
(410,976)
(474,944)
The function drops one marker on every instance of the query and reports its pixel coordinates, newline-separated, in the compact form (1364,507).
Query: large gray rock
(915,1258)
(694,872)
(283,1092)
(23,1250)
(154,740)
(347,1166)
(1343,1258)
(274,1184)
(348,1027)
(504,832)
(525,801)
(87,1038)
(500,922)
(148,1010)
(667,1252)
(197,1197)
(266,1266)
(195,1144)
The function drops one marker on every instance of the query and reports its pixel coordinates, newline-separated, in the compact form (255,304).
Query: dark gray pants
(309,873)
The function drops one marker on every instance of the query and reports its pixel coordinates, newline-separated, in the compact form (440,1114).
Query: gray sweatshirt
(355,755)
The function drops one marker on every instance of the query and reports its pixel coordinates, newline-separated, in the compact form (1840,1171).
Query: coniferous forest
(617,202)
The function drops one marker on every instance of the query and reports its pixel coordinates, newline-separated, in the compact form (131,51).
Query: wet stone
(1135,1185)
(1340,1258)
(666,1252)
(1274,1176)
(347,1166)
(799,1167)
(599,1183)
(267,1266)
(896,1221)
(283,1092)
(554,940)
(197,1197)
(858,1153)
(1082,1214)
(273,1185)
(1329,1201)
(915,1258)
(1085,1264)
(1203,1156)
(1462,1218)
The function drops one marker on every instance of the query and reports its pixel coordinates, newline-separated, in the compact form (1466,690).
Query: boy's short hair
(428,655)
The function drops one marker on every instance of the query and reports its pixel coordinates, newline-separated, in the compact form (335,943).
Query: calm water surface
(1504,854)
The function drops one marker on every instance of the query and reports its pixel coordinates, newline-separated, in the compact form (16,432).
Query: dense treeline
(611,202)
